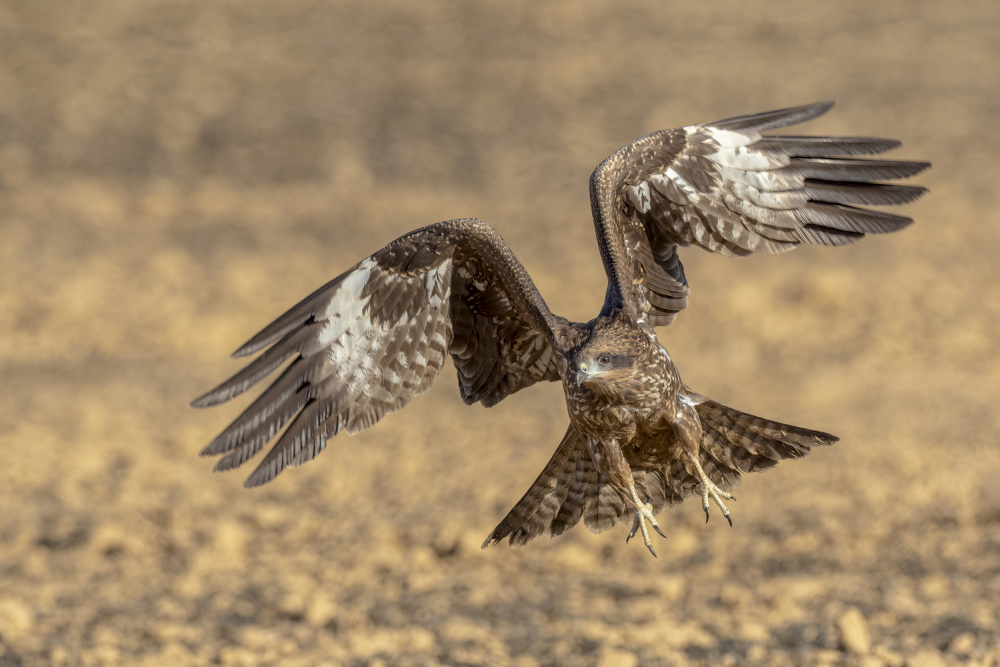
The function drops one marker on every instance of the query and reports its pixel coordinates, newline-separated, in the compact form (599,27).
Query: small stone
(615,657)
(854,633)
(230,539)
(109,539)
(890,658)
(16,618)
(754,631)
(237,656)
(575,556)
(671,588)
(321,611)
(422,640)
(927,658)
(963,644)
(825,656)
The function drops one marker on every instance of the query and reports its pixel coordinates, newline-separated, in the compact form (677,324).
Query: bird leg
(642,513)
(688,426)
(710,489)
(609,460)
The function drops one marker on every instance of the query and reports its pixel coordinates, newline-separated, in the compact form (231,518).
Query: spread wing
(729,189)
(367,342)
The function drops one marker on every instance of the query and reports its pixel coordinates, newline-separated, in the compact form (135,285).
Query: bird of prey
(363,345)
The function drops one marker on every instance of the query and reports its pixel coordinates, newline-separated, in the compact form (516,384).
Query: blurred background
(174,174)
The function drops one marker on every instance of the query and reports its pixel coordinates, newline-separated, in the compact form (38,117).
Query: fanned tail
(569,488)
(735,442)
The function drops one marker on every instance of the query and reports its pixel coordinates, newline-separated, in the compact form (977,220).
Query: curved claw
(642,513)
(710,489)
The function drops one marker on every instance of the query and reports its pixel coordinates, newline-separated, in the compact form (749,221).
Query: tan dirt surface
(174,174)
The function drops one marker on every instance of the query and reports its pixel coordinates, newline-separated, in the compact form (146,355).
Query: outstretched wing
(367,342)
(729,189)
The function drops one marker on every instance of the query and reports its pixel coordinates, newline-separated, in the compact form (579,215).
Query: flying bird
(363,345)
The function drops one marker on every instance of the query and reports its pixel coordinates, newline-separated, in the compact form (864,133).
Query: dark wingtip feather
(826,438)
(850,219)
(296,316)
(769,120)
(914,167)
(268,335)
(865,194)
(227,463)
(239,383)
(201,401)
(262,475)
(855,169)
(806,146)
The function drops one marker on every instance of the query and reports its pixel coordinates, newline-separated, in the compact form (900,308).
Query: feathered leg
(688,427)
(610,461)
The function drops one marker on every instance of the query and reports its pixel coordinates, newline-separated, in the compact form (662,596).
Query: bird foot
(710,490)
(643,512)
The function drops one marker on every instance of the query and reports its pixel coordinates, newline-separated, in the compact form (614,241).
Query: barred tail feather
(563,489)
(735,442)
(569,488)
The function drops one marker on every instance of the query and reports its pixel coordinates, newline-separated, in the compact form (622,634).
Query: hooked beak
(581,374)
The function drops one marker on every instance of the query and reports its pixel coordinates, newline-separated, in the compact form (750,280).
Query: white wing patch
(745,157)
(346,321)
(638,196)
(379,369)
(725,138)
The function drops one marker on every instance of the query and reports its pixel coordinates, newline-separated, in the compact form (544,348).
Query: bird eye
(604,360)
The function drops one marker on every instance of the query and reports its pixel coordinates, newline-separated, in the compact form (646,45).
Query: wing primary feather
(245,448)
(851,219)
(294,342)
(771,119)
(826,146)
(866,194)
(302,371)
(819,235)
(306,425)
(293,318)
(849,169)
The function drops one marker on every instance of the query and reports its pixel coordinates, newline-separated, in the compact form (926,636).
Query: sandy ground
(175,174)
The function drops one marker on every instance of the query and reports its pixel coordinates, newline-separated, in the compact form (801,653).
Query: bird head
(604,367)
(610,357)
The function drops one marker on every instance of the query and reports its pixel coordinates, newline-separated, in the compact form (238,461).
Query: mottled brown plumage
(366,343)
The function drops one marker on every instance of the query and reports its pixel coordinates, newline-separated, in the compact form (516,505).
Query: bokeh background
(174,174)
